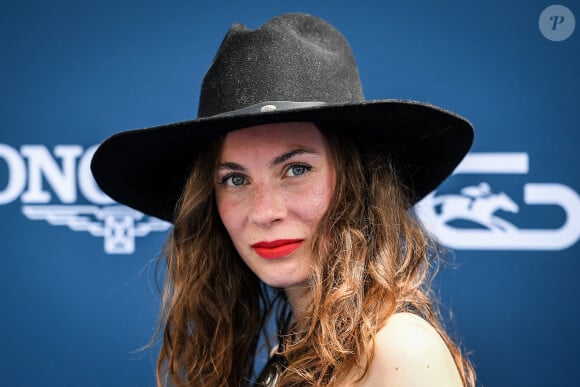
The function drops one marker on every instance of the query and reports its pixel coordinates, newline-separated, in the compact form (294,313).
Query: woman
(290,196)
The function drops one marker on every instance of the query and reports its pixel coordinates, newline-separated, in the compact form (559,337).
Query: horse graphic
(118,225)
(477,204)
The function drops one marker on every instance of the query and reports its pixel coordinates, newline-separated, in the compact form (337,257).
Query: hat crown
(293,57)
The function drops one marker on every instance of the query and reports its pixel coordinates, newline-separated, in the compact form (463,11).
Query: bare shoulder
(410,352)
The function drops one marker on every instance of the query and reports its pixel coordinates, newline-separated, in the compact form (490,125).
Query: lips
(278,248)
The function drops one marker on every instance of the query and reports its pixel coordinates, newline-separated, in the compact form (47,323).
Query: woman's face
(273,185)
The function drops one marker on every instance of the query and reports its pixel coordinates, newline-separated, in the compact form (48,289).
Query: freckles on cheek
(319,203)
(226,212)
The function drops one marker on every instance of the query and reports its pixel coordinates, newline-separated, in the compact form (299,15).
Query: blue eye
(297,170)
(234,180)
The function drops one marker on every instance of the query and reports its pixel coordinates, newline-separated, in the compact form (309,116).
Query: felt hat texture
(294,68)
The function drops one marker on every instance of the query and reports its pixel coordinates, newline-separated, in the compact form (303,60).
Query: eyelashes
(297,170)
(233,179)
(237,179)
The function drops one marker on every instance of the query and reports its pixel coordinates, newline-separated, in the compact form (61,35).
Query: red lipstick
(277,249)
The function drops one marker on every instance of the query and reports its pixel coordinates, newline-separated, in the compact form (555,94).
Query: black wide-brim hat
(294,68)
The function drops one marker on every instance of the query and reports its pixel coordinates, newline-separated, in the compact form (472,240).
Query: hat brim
(146,169)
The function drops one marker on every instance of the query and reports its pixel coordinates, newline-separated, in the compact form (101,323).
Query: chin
(284,282)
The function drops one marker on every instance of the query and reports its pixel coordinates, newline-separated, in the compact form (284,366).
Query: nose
(268,206)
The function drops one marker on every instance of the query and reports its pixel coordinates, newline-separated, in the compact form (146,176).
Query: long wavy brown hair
(372,259)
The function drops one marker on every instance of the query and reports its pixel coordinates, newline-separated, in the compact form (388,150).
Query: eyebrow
(231,166)
(288,155)
(275,161)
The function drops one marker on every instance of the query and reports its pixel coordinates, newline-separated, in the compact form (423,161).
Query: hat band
(270,106)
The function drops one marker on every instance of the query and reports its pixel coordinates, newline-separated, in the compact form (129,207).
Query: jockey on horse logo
(477,204)
(445,214)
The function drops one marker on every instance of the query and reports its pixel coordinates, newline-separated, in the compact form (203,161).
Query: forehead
(273,137)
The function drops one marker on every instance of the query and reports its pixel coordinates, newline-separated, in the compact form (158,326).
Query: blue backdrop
(77,289)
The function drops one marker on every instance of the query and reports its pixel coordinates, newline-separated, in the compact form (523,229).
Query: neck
(299,298)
